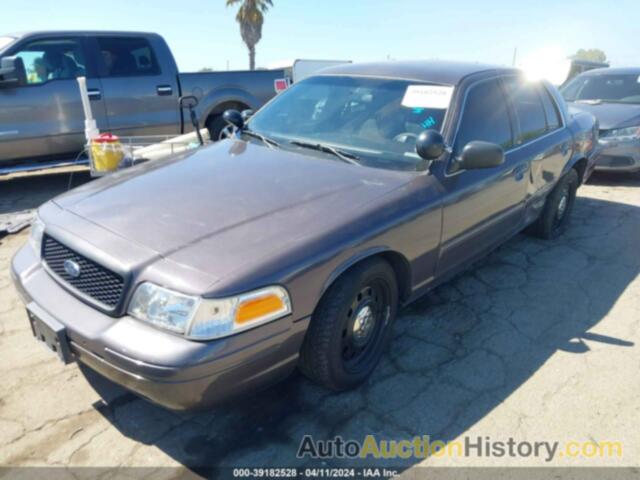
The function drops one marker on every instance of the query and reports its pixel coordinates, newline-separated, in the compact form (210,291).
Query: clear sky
(203,33)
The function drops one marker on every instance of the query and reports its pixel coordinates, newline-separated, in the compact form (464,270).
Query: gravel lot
(538,342)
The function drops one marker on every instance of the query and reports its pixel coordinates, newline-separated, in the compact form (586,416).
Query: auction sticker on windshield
(427,96)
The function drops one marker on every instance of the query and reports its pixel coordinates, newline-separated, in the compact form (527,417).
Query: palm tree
(251,17)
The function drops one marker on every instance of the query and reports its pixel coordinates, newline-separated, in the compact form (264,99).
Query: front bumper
(164,368)
(616,155)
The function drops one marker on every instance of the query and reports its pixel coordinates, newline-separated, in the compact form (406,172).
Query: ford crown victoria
(294,243)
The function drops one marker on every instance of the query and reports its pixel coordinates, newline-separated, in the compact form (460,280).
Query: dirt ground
(539,342)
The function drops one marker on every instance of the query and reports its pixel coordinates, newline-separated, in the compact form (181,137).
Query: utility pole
(515,56)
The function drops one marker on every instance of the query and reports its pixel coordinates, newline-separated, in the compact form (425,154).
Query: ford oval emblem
(72,268)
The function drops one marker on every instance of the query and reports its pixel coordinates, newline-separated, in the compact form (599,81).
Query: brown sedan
(294,243)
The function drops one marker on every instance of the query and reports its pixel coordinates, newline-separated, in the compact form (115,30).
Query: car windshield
(4,41)
(614,88)
(374,120)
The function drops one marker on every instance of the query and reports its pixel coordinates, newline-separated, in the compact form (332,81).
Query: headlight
(628,132)
(37,232)
(162,307)
(206,319)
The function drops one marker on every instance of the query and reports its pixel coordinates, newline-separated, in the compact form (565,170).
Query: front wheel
(351,326)
(557,209)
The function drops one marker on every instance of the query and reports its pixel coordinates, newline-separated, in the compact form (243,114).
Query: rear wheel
(351,326)
(557,209)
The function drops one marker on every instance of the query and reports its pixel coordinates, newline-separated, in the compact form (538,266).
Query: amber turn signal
(259,307)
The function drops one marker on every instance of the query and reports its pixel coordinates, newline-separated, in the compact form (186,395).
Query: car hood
(229,204)
(611,115)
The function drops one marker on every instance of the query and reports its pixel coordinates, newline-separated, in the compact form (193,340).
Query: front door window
(52,59)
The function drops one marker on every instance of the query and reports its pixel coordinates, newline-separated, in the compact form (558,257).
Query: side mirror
(12,72)
(233,118)
(430,145)
(188,101)
(247,114)
(480,154)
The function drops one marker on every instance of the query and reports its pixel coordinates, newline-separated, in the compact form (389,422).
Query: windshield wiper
(341,154)
(266,140)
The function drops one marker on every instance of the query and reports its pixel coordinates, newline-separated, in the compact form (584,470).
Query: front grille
(95,281)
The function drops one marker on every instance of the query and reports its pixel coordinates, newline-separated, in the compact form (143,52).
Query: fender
(584,128)
(403,283)
(210,102)
(575,158)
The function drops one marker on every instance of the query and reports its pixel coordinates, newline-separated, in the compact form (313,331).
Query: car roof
(431,71)
(67,33)
(613,71)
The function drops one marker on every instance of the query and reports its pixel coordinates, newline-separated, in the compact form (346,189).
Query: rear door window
(127,57)
(485,117)
(528,107)
(52,59)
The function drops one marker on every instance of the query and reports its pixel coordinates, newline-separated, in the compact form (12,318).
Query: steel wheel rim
(562,208)
(364,324)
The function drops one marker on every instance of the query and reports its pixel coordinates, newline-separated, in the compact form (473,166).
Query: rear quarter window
(550,109)
(525,97)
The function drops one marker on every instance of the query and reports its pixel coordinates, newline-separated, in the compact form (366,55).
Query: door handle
(94,94)
(164,90)
(520,170)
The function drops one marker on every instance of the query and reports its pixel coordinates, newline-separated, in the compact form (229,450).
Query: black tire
(215,125)
(351,326)
(557,208)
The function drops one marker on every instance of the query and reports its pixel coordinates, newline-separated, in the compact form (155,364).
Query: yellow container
(106,153)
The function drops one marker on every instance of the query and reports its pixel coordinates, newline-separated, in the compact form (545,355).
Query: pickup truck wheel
(557,209)
(351,326)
